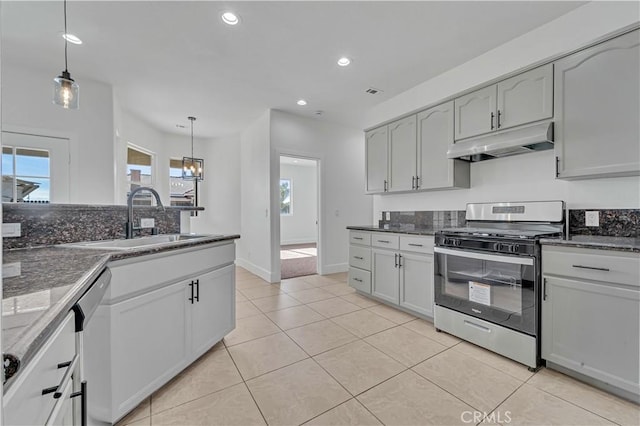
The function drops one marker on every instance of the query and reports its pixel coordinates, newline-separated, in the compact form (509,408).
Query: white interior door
(35,168)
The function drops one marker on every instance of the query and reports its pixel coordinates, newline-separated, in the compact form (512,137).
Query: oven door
(495,287)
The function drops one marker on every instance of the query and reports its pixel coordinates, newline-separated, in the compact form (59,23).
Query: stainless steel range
(487,276)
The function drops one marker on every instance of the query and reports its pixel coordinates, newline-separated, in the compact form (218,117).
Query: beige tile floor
(311,350)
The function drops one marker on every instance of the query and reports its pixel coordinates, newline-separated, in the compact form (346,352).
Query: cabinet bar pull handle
(557,166)
(480,327)
(417,182)
(499,114)
(197,290)
(492,117)
(191,298)
(399,261)
(384,241)
(591,267)
(358,238)
(357,279)
(385,186)
(396,260)
(358,257)
(83,402)
(544,289)
(415,245)
(57,390)
(413,182)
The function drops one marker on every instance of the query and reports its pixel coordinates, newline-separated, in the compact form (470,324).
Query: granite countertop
(40,285)
(399,230)
(631,244)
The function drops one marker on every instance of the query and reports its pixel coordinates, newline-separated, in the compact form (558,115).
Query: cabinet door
(416,283)
(377,156)
(435,135)
(402,154)
(597,110)
(213,312)
(385,276)
(151,344)
(475,113)
(525,98)
(593,329)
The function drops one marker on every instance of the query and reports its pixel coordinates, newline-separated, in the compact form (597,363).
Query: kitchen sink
(137,243)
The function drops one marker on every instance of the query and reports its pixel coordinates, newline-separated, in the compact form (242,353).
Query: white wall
(254,247)
(340,150)
(220,190)
(529,176)
(27,106)
(300,227)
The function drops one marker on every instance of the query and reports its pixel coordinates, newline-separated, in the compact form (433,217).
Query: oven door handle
(483,256)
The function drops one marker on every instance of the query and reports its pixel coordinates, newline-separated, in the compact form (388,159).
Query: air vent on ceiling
(373,91)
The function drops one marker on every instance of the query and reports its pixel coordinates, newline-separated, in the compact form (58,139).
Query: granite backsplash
(613,223)
(435,219)
(47,224)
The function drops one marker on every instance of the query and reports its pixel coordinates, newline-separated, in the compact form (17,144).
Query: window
(140,173)
(181,191)
(286,205)
(26,175)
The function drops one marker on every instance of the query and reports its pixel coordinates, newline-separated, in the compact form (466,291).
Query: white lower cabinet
(30,398)
(400,269)
(160,314)
(591,316)
(416,283)
(386,278)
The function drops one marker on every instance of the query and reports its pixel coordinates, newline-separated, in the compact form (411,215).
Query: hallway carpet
(298,260)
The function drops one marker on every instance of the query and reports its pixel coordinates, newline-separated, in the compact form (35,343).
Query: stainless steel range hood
(503,143)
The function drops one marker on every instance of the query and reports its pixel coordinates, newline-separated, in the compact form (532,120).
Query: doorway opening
(298,216)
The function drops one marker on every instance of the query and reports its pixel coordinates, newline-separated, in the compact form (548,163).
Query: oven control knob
(498,246)
(457,242)
(514,248)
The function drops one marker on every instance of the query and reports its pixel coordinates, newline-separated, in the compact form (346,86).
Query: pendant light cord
(192,119)
(65,36)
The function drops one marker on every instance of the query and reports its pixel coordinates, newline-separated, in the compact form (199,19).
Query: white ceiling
(170,59)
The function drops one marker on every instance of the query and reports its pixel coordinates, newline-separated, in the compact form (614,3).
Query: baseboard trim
(298,241)
(254,269)
(333,268)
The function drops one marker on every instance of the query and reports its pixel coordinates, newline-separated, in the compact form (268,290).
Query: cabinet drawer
(385,240)
(360,257)
(24,403)
(416,244)
(360,280)
(362,238)
(598,265)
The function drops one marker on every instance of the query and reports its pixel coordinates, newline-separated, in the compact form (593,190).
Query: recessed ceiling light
(230,18)
(344,61)
(71,38)
(302,102)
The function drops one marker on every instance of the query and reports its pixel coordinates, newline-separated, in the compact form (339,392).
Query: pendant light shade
(66,91)
(192,167)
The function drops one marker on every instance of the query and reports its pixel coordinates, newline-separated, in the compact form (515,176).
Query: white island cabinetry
(160,314)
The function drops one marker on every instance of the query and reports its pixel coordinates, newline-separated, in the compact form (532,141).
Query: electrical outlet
(11,230)
(387,215)
(592,218)
(147,223)
(11,270)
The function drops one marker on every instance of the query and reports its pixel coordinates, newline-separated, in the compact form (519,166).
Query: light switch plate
(11,230)
(592,218)
(387,215)
(147,223)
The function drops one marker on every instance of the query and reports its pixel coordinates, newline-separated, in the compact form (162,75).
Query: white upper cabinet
(597,110)
(522,99)
(475,113)
(435,134)
(376,154)
(525,98)
(402,154)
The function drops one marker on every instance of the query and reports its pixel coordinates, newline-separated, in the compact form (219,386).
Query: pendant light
(66,91)
(192,168)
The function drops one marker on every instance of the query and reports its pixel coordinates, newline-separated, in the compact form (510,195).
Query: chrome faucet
(128,227)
